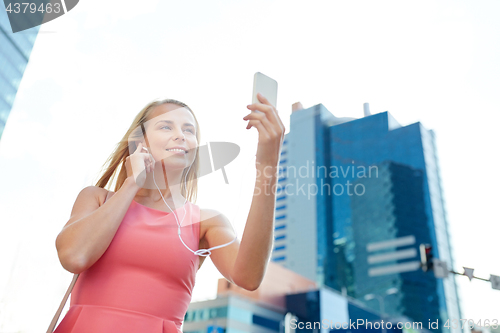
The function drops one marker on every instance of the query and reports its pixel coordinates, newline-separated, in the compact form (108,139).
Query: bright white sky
(92,70)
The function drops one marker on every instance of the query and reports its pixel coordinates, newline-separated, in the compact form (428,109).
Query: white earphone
(200,252)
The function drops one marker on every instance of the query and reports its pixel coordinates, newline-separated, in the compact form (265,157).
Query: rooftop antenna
(366,109)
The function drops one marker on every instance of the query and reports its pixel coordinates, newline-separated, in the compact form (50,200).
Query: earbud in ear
(146,149)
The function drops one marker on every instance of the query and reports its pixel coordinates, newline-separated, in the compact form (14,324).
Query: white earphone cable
(200,252)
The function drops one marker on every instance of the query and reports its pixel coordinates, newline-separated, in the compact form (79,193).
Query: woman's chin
(175,165)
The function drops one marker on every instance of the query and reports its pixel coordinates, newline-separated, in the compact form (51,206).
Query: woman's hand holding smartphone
(264,117)
(139,164)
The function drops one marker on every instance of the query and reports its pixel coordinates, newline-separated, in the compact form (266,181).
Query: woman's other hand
(265,118)
(138,165)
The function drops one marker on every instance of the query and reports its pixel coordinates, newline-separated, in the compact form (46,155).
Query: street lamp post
(381,302)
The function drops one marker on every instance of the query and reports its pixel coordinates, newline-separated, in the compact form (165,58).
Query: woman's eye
(187,129)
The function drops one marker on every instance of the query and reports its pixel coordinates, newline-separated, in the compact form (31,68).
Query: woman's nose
(179,134)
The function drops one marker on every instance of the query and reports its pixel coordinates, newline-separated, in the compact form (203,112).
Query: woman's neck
(171,194)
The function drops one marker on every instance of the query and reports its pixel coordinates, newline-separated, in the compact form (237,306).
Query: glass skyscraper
(356,198)
(15,50)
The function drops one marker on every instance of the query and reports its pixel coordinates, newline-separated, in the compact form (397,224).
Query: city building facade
(15,52)
(356,198)
(288,302)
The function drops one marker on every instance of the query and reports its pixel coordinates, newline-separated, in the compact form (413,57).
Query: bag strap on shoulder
(65,298)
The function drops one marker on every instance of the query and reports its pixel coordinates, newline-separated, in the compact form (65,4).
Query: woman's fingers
(139,151)
(139,148)
(266,108)
(148,159)
(148,162)
(270,111)
(262,130)
(263,99)
(128,166)
(151,161)
(260,118)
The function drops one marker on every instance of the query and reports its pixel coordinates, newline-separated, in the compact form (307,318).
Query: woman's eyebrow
(171,122)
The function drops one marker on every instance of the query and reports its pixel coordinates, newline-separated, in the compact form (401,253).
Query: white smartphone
(266,86)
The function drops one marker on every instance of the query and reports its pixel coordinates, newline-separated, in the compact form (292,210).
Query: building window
(266,322)
(205,314)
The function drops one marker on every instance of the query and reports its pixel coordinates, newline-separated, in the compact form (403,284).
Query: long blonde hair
(189,188)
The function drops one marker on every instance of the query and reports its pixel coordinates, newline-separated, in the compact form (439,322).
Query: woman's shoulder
(100,193)
(207,213)
(212,218)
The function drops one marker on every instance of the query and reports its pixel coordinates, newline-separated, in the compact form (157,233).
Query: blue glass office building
(15,50)
(356,199)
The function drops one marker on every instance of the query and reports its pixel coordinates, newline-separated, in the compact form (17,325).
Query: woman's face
(172,126)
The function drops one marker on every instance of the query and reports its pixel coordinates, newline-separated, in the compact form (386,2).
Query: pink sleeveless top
(144,280)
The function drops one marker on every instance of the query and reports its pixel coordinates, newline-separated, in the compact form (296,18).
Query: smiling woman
(135,257)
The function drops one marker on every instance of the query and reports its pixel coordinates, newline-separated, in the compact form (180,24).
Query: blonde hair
(189,188)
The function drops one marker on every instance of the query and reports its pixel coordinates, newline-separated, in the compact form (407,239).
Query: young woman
(138,249)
